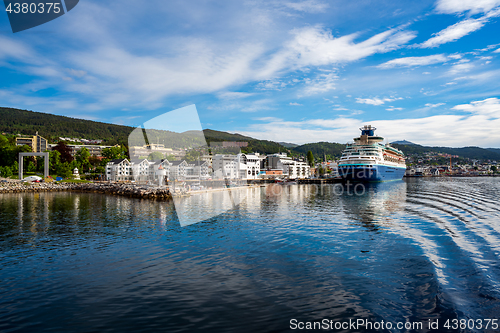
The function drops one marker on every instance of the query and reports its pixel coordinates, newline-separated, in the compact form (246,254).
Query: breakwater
(105,188)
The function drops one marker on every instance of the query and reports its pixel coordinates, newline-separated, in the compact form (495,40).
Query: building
(119,170)
(37,143)
(94,150)
(289,167)
(177,170)
(141,170)
(198,170)
(144,151)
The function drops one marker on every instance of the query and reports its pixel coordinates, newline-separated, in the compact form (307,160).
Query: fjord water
(401,251)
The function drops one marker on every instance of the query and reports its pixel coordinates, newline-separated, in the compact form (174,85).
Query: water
(405,251)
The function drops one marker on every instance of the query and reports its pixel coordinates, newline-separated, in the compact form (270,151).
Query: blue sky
(295,71)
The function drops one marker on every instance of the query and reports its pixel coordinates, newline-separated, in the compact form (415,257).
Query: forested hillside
(15,121)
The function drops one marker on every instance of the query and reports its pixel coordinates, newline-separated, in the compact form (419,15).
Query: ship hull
(372,173)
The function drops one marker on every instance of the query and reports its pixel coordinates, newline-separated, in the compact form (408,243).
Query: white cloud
(496,51)
(430,105)
(454,32)
(480,128)
(394,109)
(322,83)
(414,61)
(460,6)
(460,68)
(295,104)
(308,6)
(488,107)
(376,100)
(234,95)
(259,105)
(315,46)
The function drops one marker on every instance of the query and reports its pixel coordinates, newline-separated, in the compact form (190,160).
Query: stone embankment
(115,189)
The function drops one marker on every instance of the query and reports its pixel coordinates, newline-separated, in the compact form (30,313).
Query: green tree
(170,158)
(6,172)
(114,153)
(64,170)
(155,156)
(54,161)
(310,158)
(493,168)
(192,156)
(82,157)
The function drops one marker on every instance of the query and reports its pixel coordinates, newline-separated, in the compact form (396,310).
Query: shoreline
(144,192)
(103,188)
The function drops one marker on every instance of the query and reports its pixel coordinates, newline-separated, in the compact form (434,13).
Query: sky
(292,71)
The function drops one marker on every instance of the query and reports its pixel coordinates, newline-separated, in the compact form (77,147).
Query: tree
(192,156)
(54,161)
(114,153)
(310,158)
(82,157)
(6,172)
(64,170)
(155,156)
(170,158)
(65,152)
(493,168)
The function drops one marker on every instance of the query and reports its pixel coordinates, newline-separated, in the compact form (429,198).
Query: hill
(403,142)
(476,153)
(319,149)
(51,127)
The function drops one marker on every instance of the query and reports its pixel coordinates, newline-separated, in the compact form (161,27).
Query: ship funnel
(368,130)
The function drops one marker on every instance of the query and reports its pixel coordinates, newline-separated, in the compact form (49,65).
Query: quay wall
(105,188)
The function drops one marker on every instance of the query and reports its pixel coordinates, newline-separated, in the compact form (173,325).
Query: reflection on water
(400,251)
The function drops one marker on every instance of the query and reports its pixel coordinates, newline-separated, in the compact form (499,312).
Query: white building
(197,170)
(177,170)
(141,170)
(119,170)
(292,169)
(241,166)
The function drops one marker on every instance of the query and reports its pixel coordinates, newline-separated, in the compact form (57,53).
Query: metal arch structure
(45,163)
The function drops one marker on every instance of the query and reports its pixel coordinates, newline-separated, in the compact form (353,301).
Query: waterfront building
(37,143)
(141,170)
(119,170)
(197,170)
(289,167)
(177,170)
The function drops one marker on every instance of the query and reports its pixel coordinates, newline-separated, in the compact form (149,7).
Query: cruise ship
(368,159)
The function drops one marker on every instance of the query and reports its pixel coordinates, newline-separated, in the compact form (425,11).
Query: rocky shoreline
(105,188)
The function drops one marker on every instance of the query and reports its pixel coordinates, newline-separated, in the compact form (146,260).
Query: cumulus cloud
(376,100)
(478,127)
(461,6)
(454,32)
(414,61)
(487,107)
